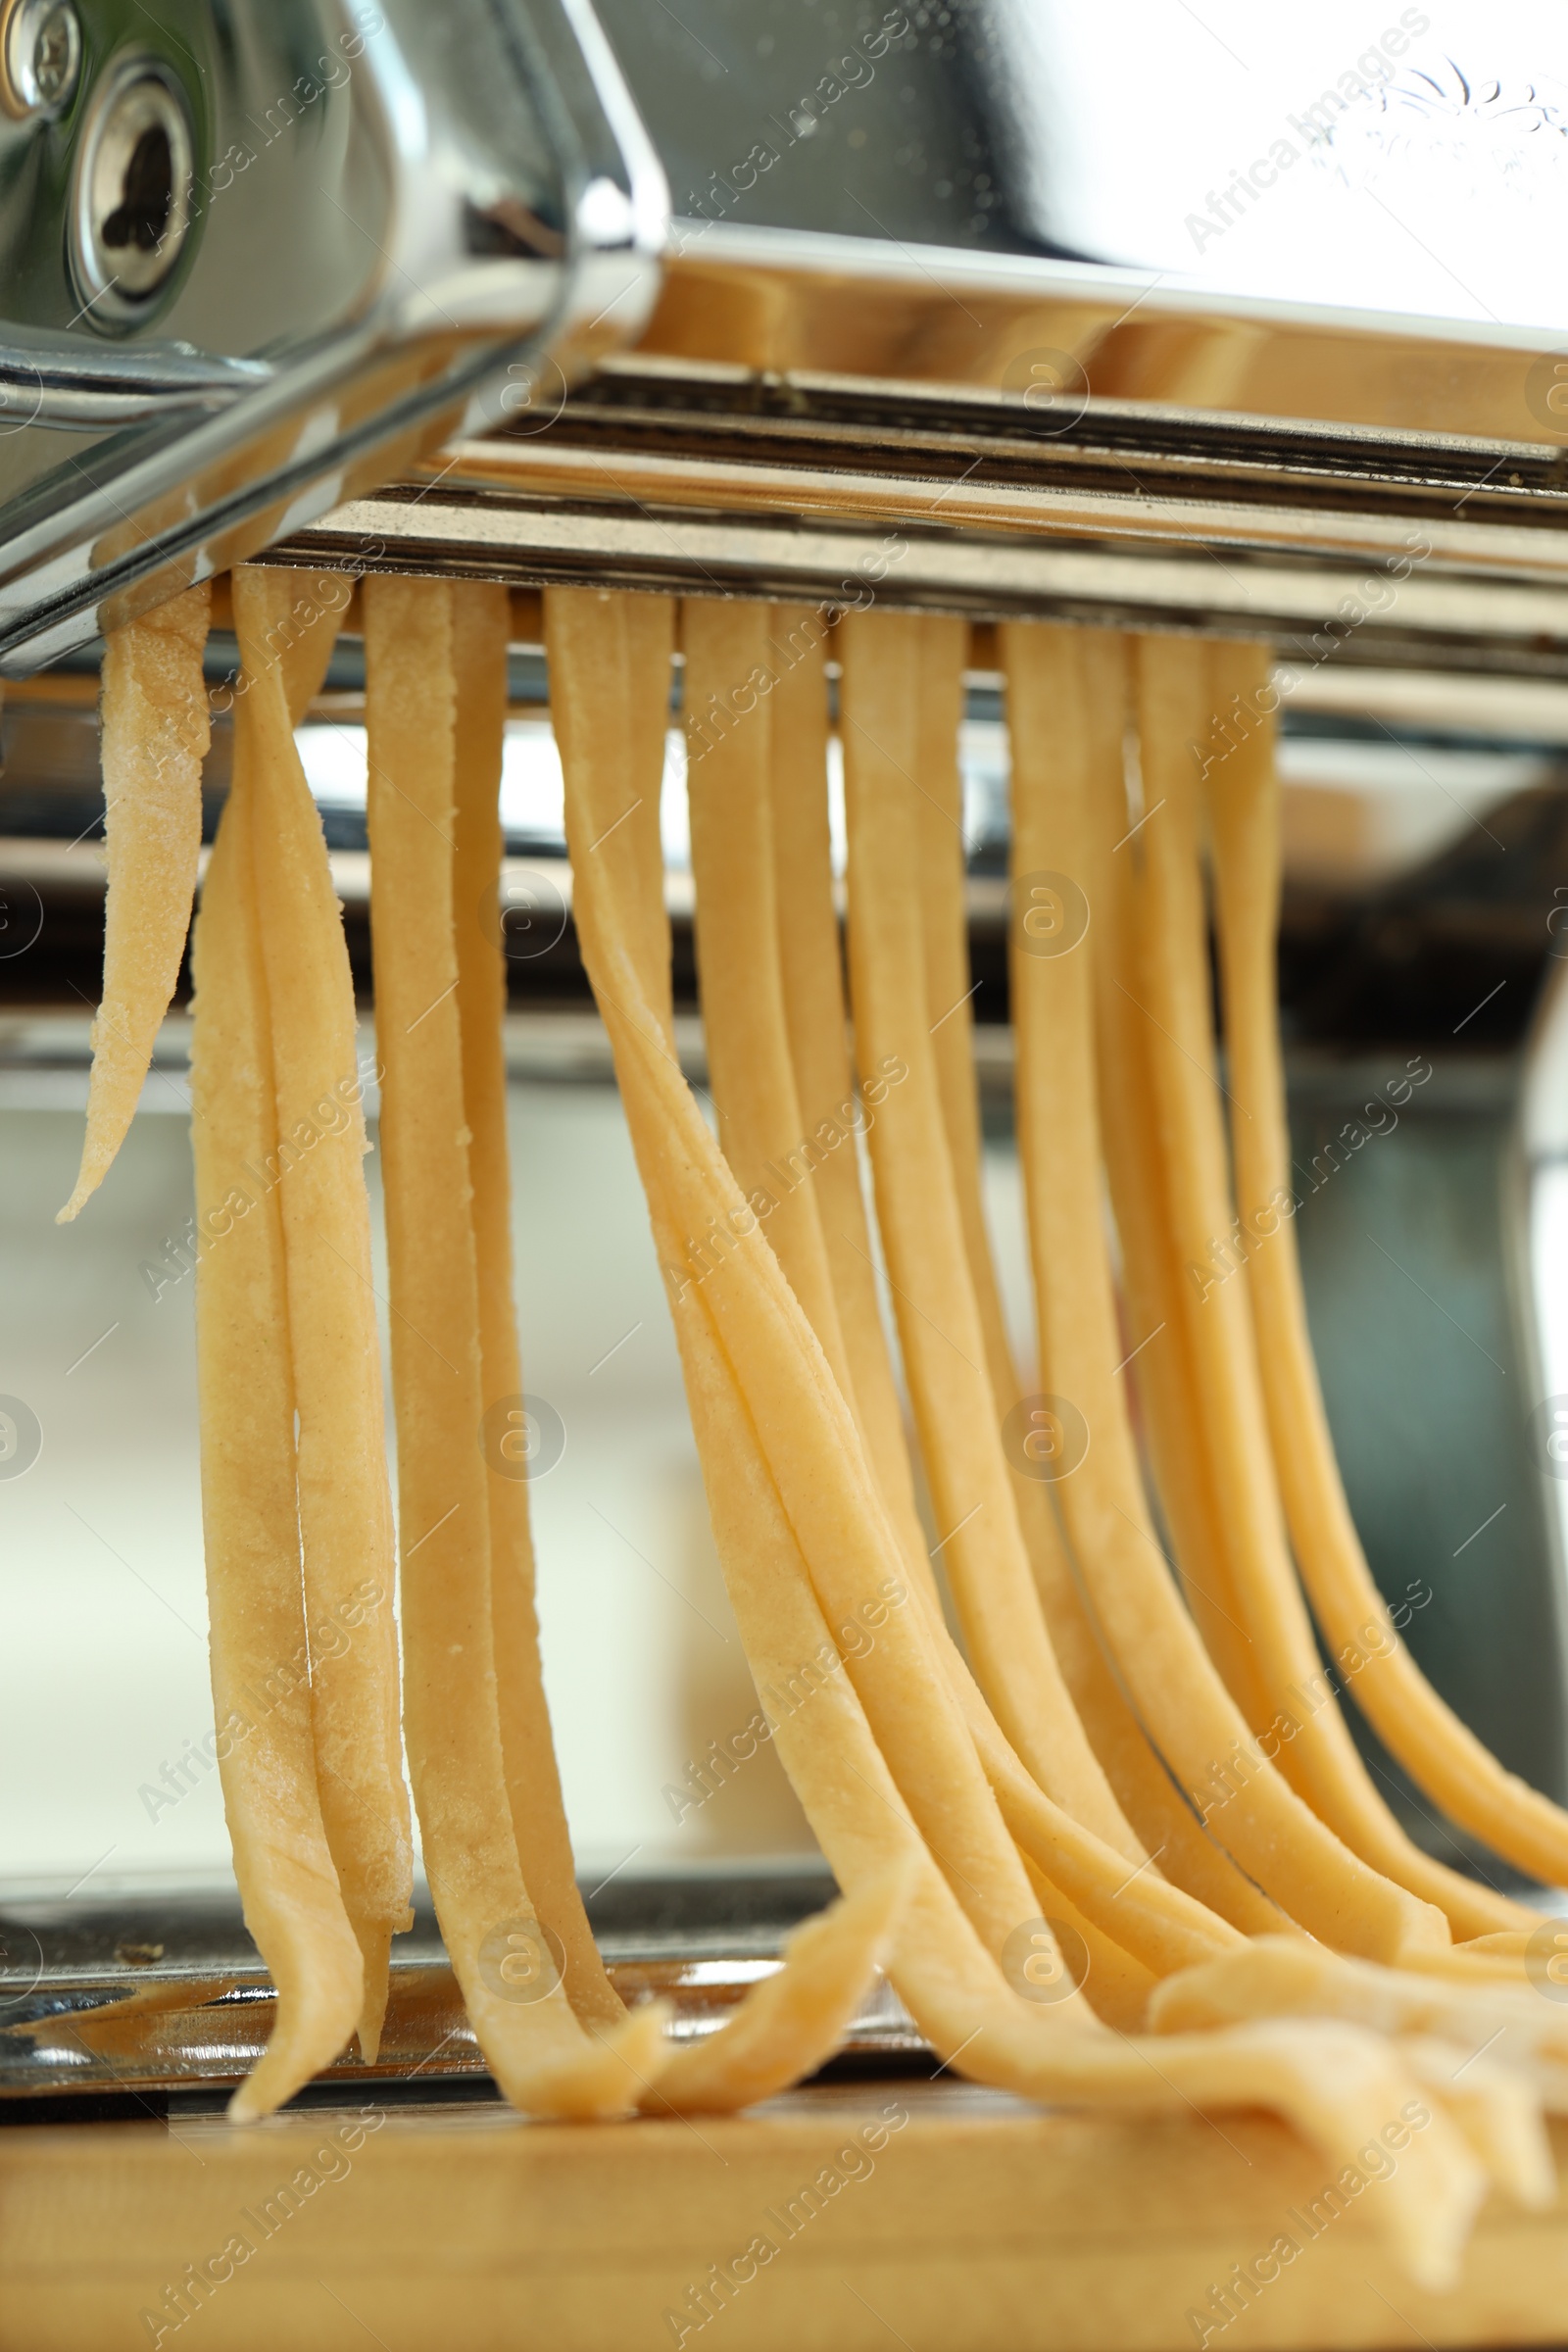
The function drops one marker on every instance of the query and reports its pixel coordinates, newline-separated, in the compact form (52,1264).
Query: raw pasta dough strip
(948,996)
(811,961)
(1496,2027)
(1142,1786)
(1499,2109)
(611,746)
(940,645)
(1319,1757)
(155,734)
(1337,2087)
(1439,1752)
(481,626)
(1054,677)
(774,1158)
(345,1504)
(1158,1377)
(1066,746)
(741,925)
(1276,1977)
(1181,1699)
(795,2019)
(856,1553)
(532,2041)
(939,1323)
(814,1003)
(257,1637)
(790,2024)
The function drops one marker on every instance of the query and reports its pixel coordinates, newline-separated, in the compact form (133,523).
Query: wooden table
(851,2217)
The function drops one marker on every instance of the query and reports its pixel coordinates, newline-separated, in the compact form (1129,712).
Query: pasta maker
(508,292)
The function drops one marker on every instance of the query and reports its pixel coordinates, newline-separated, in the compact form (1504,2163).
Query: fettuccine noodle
(1445,1758)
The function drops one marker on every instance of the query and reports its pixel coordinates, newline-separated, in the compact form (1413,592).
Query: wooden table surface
(851,2217)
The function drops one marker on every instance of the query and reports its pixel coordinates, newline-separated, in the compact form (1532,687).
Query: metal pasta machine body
(939,307)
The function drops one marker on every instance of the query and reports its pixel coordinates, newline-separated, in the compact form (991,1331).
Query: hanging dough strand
(810,964)
(498,1949)
(259,1649)
(939,1323)
(949,993)
(1180,1698)
(775,1158)
(1066,695)
(1141,1786)
(482,619)
(739,921)
(1278,1678)
(154,733)
(1439,1752)
(345,1503)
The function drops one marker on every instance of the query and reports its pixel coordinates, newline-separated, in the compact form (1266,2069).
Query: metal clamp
(268,288)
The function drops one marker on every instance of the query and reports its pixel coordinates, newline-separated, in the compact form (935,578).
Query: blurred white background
(1414,159)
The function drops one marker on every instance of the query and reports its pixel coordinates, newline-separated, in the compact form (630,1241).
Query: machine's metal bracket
(439,214)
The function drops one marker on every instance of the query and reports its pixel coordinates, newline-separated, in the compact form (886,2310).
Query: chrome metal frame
(1384,548)
(428,347)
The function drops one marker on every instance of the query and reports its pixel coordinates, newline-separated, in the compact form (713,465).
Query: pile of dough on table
(1114,1846)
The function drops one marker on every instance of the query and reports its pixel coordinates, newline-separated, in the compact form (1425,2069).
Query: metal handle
(79,387)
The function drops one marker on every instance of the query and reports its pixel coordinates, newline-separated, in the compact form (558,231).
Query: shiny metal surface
(1369,548)
(409,234)
(41,56)
(132,187)
(97,386)
(153,1992)
(1537,1234)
